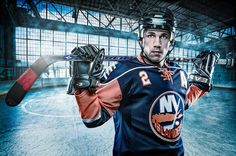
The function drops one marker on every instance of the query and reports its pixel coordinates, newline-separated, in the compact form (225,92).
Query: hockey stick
(227,62)
(23,84)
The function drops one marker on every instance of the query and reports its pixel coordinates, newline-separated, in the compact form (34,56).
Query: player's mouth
(156,52)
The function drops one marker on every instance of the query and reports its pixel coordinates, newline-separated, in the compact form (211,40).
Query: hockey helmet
(157,18)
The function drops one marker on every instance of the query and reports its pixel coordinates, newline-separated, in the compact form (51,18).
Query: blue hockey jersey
(147,104)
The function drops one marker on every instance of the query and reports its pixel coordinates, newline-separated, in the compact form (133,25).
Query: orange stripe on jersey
(108,96)
(140,59)
(193,94)
(88,104)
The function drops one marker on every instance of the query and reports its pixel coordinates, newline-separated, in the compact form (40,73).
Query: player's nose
(157,42)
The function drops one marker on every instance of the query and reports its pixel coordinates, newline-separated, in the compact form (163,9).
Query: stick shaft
(23,84)
(177,59)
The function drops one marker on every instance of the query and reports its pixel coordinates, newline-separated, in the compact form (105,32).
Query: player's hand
(203,70)
(85,74)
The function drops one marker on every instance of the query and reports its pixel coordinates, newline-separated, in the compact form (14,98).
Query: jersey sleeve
(193,94)
(97,107)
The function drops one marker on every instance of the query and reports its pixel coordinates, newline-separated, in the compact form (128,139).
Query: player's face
(156,45)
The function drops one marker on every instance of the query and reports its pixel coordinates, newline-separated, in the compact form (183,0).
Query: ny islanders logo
(166,116)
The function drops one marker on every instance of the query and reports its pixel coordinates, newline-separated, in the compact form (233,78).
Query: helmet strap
(172,47)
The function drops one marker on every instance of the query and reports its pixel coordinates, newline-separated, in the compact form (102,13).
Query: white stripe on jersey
(143,67)
(109,70)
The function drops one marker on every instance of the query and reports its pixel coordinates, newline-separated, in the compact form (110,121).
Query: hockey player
(147,95)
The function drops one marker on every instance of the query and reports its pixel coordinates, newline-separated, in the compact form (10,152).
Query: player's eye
(150,35)
(164,37)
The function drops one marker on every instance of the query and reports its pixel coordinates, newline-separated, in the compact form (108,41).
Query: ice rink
(47,122)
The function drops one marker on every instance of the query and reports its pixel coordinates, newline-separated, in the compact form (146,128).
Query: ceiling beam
(33,8)
(71,27)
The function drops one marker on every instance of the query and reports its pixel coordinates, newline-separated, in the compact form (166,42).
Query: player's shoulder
(176,67)
(172,64)
(118,68)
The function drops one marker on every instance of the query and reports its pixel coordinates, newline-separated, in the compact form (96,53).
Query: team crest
(166,116)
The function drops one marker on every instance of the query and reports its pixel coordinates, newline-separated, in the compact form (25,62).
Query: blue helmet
(157,18)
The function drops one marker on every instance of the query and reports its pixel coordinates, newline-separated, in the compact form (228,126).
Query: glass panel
(59,36)
(93,18)
(82,38)
(46,48)
(21,46)
(82,18)
(113,41)
(20,32)
(104,40)
(33,33)
(70,47)
(21,61)
(93,39)
(122,51)
(33,47)
(47,35)
(113,50)
(32,59)
(71,37)
(59,48)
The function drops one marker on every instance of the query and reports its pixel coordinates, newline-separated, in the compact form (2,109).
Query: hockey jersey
(147,104)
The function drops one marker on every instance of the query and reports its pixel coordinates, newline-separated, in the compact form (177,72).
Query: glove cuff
(199,78)
(82,81)
(201,82)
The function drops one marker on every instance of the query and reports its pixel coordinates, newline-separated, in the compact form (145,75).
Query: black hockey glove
(85,74)
(203,70)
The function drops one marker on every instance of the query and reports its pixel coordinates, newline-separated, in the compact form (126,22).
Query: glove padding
(85,74)
(203,70)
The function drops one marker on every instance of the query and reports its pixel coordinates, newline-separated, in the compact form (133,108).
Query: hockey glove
(85,74)
(203,70)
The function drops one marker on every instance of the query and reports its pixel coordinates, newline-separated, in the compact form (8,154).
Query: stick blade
(15,95)
(23,84)
(19,89)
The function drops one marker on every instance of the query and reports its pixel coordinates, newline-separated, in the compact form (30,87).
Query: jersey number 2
(144,77)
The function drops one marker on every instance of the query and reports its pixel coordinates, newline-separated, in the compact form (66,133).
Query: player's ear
(172,43)
(172,40)
(140,41)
